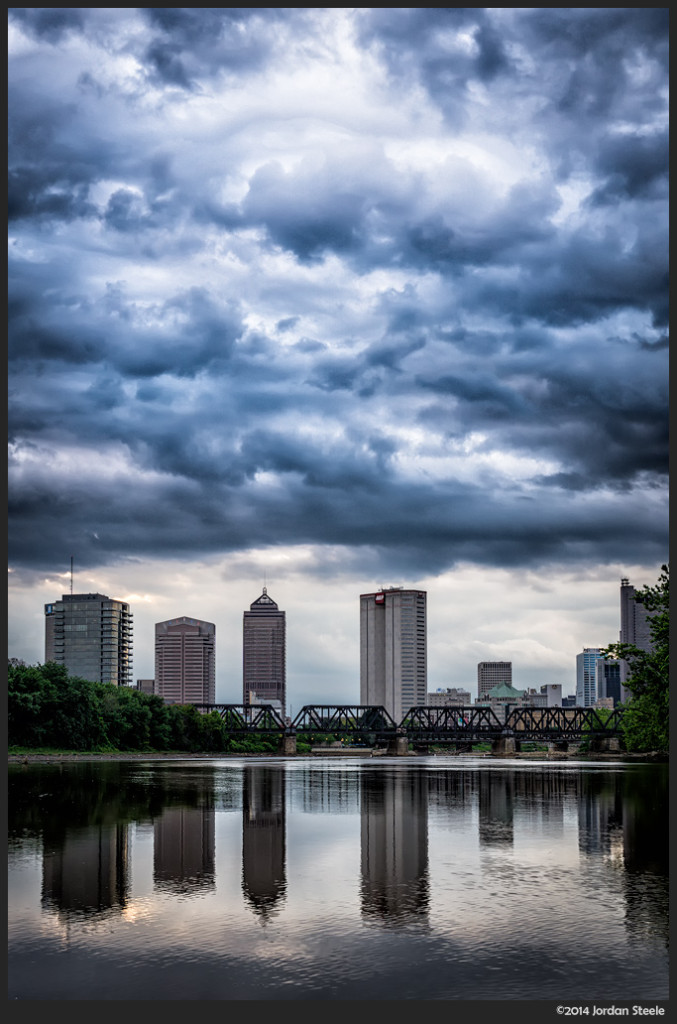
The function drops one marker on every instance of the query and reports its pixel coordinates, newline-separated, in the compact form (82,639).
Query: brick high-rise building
(185,661)
(92,636)
(393,650)
(264,653)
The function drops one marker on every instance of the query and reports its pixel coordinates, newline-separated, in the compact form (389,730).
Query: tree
(646,720)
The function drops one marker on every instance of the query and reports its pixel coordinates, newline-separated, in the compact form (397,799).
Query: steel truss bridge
(422,724)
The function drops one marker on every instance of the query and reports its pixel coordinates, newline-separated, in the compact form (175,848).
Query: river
(310,878)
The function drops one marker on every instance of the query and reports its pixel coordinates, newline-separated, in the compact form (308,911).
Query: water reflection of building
(623,818)
(600,817)
(87,872)
(540,797)
(323,792)
(184,850)
(394,848)
(263,838)
(496,807)
(645,853)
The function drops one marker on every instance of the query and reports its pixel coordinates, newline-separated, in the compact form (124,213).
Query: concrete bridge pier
(561,746)
(398,746)
(504,746)
(287,744)
(605,744)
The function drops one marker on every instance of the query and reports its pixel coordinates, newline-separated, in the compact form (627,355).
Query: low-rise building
(449,697)
(549,696)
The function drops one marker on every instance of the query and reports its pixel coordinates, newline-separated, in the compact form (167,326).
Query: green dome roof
(505,690)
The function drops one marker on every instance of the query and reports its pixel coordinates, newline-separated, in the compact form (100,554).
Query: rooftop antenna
(71,575)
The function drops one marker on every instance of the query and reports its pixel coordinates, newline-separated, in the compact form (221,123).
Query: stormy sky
(333,299)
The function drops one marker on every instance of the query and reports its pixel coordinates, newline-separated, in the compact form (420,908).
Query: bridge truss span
(344,720)
(562,723)
(247,718)
(471,723)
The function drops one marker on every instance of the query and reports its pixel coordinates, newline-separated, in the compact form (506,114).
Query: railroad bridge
(423,726)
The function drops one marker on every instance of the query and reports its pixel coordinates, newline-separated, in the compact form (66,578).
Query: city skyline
(348,690)
(334,299)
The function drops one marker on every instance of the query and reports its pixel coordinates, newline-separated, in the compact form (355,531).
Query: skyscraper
(586,676)
(264,653)
(185,661)
(634,628)
(92,636)
(393,649)
(491,674)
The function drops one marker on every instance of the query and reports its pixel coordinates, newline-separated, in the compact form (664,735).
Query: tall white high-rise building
(586,676)
(185,661)
(92,636)
(393,649)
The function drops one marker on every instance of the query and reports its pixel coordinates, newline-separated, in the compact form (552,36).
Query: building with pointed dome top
(264,653)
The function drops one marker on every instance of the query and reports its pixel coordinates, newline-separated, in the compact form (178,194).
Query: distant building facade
(146,685)
(586,676)
(92,636)
(264,653)
(393,649)
(535,699)
(549,696)
(609,680)
(453,697)
(490,674)
(185,661)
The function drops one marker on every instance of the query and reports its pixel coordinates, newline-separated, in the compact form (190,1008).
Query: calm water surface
(444,878)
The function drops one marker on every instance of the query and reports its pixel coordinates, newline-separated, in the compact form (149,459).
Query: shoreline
(531,755)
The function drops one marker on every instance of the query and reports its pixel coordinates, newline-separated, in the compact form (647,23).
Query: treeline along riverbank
(48,709)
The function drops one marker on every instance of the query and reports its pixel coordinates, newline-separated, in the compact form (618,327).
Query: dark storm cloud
(236,318)
(564,277)
(48,178)
(632,167)
(189,41)
(446,48)
(49,23)
(428,526)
